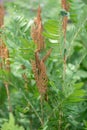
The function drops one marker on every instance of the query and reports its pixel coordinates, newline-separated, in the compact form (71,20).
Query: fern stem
(33,109)
(8,95)
(42,112)
(60,120)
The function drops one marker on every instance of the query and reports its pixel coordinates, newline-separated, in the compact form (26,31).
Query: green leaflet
(10,125)
(74,94)
(52,29)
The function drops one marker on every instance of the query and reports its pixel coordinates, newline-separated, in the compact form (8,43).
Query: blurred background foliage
(66,108)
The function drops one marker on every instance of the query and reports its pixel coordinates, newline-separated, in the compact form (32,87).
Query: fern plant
(66,106)
(10,125)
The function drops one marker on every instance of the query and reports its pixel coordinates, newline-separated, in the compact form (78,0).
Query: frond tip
(37,30)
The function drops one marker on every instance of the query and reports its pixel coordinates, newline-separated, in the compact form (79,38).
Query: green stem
(33,108)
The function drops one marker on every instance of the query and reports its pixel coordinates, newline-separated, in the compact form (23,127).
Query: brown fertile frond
(35,70)
(37,59)
(38,66)
(4,53)
(1,15)
(40,76)
(65,20)
(37,30)
(47,55)
(42,82)
(65,5)
(39,71)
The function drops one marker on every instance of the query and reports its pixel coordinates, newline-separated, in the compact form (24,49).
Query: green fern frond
(74,93)
(52,29)
(10,125)
(76,8)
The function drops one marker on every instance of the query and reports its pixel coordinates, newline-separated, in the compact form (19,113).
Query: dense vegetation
(43,65)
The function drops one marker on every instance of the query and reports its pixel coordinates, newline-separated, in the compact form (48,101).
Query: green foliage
(11,124)
(66,108)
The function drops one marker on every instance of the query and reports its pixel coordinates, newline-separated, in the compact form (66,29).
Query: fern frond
(52,29)
(11,124)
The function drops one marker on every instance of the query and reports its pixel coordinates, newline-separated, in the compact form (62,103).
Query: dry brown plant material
(1,15)
(38,66)
(65,6)
(36,31)
(4,53)
(47,55)
(65,20)
(39,71)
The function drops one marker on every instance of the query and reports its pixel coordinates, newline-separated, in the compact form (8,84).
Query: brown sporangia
(4,53)
(65,6)
(1,15)
(38,65)
(36,31)
(39,70)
